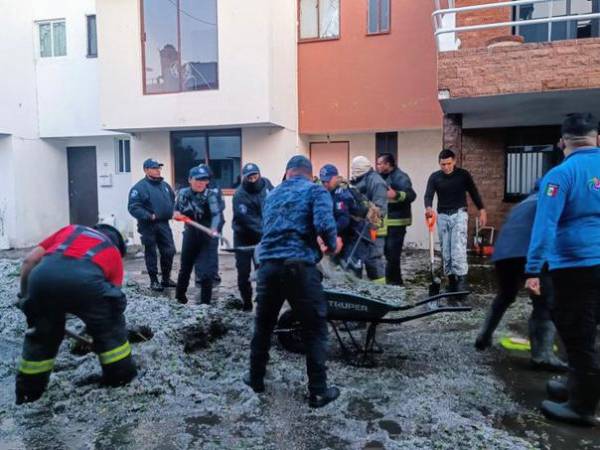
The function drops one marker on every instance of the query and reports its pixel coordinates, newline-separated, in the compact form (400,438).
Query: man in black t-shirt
(451,185)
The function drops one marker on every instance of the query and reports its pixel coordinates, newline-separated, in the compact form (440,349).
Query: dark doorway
(386,143)
(83,187)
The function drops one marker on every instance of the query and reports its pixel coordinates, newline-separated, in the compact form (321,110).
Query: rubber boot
(557,389)
(206,291)
(180,295)
(580,409)
(541,336)
(246,295)
(451,283)
(492,319)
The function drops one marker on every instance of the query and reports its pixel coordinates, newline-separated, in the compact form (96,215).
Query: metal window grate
(524,165)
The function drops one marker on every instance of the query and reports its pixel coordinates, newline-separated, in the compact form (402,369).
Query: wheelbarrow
(345,308)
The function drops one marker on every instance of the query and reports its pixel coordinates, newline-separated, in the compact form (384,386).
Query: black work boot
(451,283)
(206,291)
(580,409)
(180,295)
(320,400)
(557,389)
(257,384)
(155,285)
(492,319)
(541,336)
(168,283)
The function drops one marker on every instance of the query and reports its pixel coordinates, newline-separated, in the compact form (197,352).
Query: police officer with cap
(297,221)
(77,270)
(151,202)
(248,203)
(198,248)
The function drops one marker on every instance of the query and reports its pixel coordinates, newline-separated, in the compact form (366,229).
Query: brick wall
(541,67)
(473,39)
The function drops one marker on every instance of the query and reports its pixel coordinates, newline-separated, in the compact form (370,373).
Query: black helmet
(114,235)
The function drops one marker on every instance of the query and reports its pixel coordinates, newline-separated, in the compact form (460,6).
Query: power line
(191,16)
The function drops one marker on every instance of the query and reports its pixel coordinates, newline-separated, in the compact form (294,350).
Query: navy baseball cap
(152,164)
(299,162)
(250,169)
(327,172)
(199,173)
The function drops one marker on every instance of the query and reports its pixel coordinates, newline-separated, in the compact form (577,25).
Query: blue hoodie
(566,231)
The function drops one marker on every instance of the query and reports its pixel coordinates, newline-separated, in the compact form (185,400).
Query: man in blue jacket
(297,220)
(151,202)
(566,234)
(509,262)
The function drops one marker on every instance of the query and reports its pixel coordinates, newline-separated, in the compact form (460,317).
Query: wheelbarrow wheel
(289,334)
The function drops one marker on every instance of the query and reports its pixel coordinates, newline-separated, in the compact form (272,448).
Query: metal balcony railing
(446,12)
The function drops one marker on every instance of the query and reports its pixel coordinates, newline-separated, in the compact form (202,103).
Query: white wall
(247,34)
(7,193)
(67,86)
(417,156)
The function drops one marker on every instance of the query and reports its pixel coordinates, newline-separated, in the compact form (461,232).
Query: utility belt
(451,211)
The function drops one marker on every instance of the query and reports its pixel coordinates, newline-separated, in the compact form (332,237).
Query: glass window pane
(59,38)
(92,49)
(121,162)
(581,7)
(199,44)
(225,156)
(373,16)
(329,18)
(45,40)
(127,146)
(189,150)
(160,48)
(385,15)
(309,27)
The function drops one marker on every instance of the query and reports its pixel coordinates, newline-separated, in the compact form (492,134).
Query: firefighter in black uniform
(151,202)
(248,202)
(198,249)
(77,270)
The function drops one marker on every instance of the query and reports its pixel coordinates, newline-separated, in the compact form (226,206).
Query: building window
(525,164)
(53,38)
(319,19)
(92,38)
(220,149)
(180,45)
(386,143)
(378,16)
(123,155)
(556,31)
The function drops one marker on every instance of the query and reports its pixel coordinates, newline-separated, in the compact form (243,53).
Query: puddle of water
(528,387)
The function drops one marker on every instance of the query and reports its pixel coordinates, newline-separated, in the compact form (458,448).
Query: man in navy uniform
(151,202)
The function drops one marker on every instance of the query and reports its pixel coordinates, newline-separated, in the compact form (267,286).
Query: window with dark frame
(180,45)
(123,155)
(319,19)
(220,149)
(525,164)
(92,38)
(378,16)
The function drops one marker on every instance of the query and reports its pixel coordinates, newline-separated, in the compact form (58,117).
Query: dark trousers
(394,242)
(510,277)
(200,251)
(243,264)
(300,284)
(57,287)
(157,234)
(576,314)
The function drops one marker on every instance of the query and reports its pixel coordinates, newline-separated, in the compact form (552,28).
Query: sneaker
(257,386)
(320,400)
(156,286)
(168,283)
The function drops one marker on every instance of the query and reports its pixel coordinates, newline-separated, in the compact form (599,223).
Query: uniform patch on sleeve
(552,190)
(594,184)
(243,209)
(134,193)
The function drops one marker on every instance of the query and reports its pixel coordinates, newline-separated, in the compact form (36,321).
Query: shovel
(204,229)
(434,287)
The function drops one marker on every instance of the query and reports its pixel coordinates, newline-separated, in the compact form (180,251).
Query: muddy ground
(430,389)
